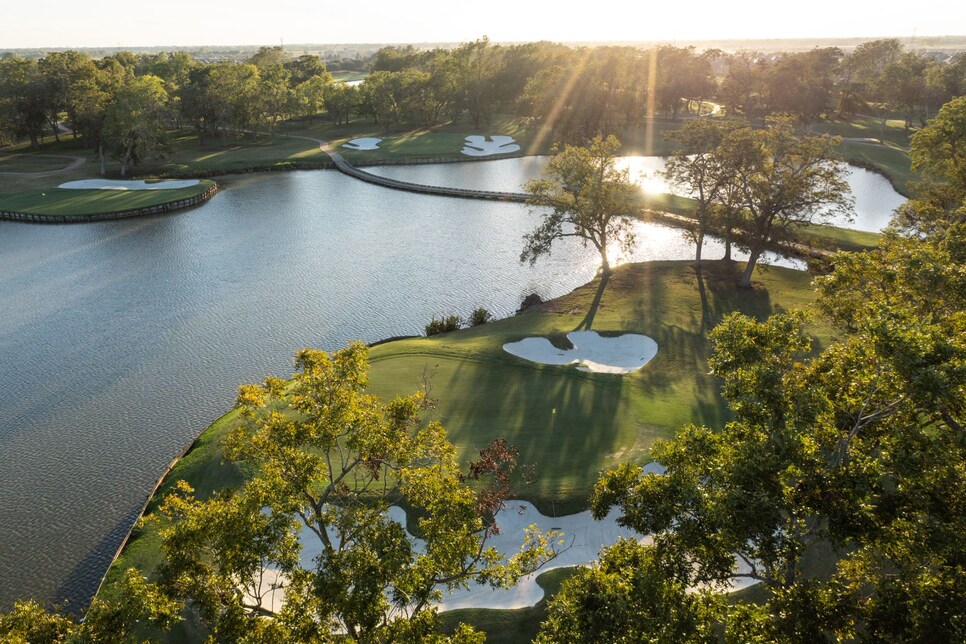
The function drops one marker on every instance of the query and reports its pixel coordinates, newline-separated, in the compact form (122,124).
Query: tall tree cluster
(852,456)
(757,187)
(574,93)
(123,105)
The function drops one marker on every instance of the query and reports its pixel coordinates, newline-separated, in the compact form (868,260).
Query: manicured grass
(635,140)
(893,162)
(443,140)
(841,238)
(893,132)
(568,423)
(345,75)
(33,162)
(888,155)
(189,155)
(57,201)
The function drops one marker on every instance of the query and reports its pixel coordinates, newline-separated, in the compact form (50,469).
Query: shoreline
(145,211)
(287,166)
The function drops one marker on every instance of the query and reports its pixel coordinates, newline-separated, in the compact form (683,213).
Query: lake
(121,341)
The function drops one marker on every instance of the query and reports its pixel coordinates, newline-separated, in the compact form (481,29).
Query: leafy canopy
(328,460)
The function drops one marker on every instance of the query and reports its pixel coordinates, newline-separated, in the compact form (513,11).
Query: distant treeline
(122,105)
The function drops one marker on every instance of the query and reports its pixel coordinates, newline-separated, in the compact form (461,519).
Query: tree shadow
(588,320)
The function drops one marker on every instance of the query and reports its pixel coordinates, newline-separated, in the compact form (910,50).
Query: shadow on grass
(588,320)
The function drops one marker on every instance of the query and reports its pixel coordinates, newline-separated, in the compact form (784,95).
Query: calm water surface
(120,341)
(875,198)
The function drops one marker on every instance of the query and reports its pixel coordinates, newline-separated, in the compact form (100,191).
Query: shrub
(443,324)
(480,316)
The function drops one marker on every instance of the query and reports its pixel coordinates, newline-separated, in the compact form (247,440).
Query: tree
(802,83)
(479,64)
(274,93)
(628,596)
(267,57)
(308,98)
(134,127)
(340,101)
(133,603)
(23,99)
(939,207)
(786,182)
(587,197)
(697,168)
(230,96)
(939,150)
(902,84)
(328,460)
(63,73)
(743,83)
(307,67)
(853,456)
(856,452)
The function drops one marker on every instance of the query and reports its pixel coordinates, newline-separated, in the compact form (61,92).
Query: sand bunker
(478,146)
(112,184)
(588,537)
(583,539)
(366,143)
(591,352)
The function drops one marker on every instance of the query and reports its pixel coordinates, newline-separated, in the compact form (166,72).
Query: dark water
(120,341)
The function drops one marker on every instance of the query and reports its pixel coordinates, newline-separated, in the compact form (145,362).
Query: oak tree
(581,193)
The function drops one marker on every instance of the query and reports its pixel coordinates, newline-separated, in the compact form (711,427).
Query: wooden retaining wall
(158,209)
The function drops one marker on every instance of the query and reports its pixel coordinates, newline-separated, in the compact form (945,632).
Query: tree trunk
(697,251)
(100,154)
(604,264)
(727,254)
(749,269)
(126,159)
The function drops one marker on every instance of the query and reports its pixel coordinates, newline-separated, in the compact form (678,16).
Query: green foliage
(134,125)
(443,324)
(582,194)
(860,447)
(479,316)
(328,460)
(30,622)
(938,150)
(783,183)
(629,596)
(699,170)
(133,604)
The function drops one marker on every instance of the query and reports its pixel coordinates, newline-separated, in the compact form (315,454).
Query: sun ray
(559,104)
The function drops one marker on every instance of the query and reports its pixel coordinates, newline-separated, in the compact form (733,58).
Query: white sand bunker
(591,352)
(366,143)
(112,184)
(583,538)
(478,146)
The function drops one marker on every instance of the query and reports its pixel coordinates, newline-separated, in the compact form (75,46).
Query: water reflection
(875,198)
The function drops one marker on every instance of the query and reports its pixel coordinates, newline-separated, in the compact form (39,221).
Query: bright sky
(91,23)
